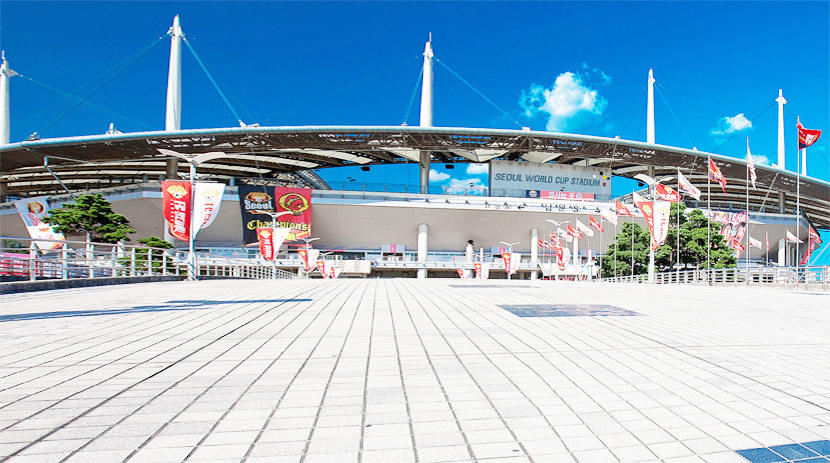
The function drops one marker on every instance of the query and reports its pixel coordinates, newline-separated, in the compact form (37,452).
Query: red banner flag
(298,202)
(716,175)
(806,137)
(622,210)
(176,208)
(266,242)
(593,222)
(543,244)
(573,232)
(666,193)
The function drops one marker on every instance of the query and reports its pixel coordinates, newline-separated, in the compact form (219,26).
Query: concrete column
(575,256)
(423,240)
(423,166)
(782,252)
(469,257)
(4,191)
(534,252)
(780,202)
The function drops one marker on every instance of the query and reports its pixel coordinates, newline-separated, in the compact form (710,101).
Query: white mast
(781,102)
(426,88)
(5,74)
(173,117)
(650,116)
(426,113)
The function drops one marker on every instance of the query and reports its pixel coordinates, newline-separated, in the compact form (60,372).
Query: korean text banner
(176,208)
(253,200)
(298,202)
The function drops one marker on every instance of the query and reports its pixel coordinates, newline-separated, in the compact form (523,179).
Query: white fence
(78,259)
(818,277)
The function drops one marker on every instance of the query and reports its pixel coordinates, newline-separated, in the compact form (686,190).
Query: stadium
(389,230)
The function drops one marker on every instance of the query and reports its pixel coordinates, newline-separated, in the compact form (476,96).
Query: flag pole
(679,200)
(616,256)
(797,208)
(748,160)
(708,225)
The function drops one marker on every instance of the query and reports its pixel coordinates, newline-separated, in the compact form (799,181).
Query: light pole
(307,249)
(555,224)
(651,183)
(274,216)
(510,251)
(194,160)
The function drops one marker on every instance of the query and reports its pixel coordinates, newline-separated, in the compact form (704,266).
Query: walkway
(413,371)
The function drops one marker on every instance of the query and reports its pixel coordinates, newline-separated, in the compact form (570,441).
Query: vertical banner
(254,199)
(308,256)
(206,203)
(298,202)
(563,256)
(266,243)
(176,208)
(32,211)
(323,268)
(482,270)
(656,214)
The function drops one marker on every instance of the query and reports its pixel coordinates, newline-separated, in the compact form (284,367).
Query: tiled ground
(409,371)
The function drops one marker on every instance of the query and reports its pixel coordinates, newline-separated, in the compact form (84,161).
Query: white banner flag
(32,211)
(207,201)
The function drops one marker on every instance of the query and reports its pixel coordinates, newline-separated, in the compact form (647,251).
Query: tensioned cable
(506,114)
(632,111)
(412,98)
(674,116)
(67,94)
(89,95)
(737,131)
(212,80)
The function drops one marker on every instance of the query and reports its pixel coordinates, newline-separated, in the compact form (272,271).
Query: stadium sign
(514,175)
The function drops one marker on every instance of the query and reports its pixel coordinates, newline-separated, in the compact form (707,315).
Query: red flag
(622,210)
(573,232)
(266,246)
(716,175)
(593,222)
(176,208)
(544,244)
(806,137)
(666,194)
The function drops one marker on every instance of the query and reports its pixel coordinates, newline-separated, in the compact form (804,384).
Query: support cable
(632,112)
(213,81)
(737,132)
(506,114)
(95,90)
(67,94)
(412,98)
(674,116)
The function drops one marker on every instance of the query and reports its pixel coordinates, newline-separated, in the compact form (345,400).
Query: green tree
(692,237)
(154,251)
(92,215)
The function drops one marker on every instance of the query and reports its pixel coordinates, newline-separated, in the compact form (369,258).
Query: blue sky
(576,67)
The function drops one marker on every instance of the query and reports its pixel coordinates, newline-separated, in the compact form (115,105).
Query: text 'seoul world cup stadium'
(538,182)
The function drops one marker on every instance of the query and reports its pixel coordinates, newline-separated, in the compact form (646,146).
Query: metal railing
(50,260)
(816,276)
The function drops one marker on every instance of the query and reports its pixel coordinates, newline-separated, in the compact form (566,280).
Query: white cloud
(465,186)
(760,160)
(568,104)
(478,169)
(435,176)
(731,124)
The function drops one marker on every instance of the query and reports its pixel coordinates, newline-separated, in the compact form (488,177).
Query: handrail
(761,276)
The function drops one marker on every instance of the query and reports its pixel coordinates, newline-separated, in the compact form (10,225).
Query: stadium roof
(281,153)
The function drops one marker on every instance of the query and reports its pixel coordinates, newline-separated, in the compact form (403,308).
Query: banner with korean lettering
(32,211)
(266,242)
(175,206)
(253,201)
(207,200)
(656,214)
(298,202)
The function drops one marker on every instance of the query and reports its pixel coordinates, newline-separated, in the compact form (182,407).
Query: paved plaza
(405,370)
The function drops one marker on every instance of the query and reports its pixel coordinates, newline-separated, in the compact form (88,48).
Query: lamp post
(194,160)
(510,251)
(555,224)
(307,248)
(274,216)
(651,183)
